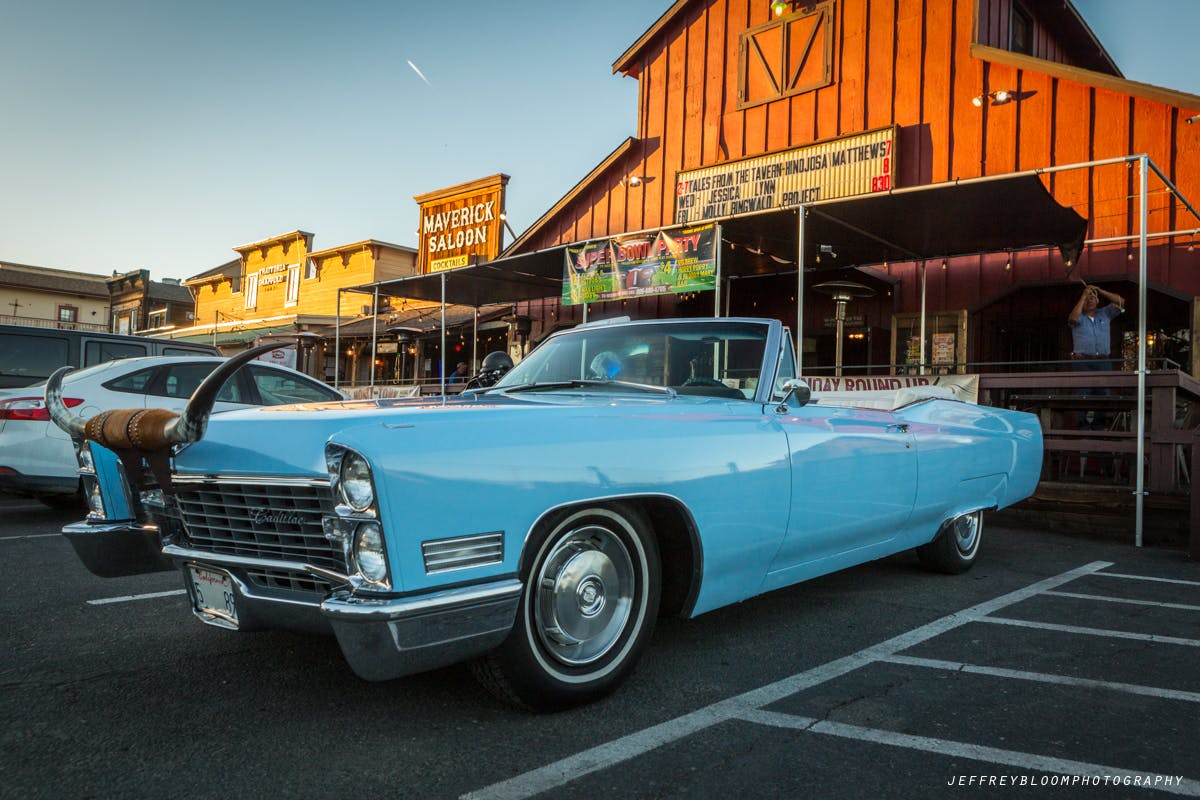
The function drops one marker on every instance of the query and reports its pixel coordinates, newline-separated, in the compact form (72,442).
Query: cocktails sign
(667,262)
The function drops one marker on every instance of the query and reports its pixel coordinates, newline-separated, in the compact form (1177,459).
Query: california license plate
(212,594)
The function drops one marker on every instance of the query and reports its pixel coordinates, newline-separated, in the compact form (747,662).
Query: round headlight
(368,552)
(355,482)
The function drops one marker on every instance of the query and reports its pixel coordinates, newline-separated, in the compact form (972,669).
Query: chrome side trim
(463,552)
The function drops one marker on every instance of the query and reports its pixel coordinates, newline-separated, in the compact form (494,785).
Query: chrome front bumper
(380,638)
(384,639)
(114,549)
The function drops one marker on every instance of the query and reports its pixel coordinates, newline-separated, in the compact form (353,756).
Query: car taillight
(32,408)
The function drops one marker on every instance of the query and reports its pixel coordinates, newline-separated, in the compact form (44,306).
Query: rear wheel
(954,549)
(587,611)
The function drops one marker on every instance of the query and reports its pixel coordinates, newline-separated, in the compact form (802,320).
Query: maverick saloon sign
(462,224)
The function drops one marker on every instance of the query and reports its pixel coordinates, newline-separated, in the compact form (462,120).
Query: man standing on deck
(1091,338)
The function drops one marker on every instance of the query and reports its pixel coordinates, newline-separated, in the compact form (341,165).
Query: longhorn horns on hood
(188,427)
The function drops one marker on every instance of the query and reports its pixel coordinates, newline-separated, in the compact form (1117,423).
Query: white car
(37,458)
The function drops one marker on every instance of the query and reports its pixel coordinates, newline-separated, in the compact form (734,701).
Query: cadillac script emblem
(266,516)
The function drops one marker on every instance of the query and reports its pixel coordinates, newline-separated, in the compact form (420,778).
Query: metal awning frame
(530,284)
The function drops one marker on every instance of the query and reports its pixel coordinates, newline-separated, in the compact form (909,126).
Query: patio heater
(842,293)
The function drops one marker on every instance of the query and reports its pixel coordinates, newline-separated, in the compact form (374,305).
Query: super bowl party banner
(682,260)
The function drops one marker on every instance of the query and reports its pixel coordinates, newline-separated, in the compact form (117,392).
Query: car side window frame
(114,384)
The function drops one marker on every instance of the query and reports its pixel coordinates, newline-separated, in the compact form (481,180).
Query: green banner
(682,260)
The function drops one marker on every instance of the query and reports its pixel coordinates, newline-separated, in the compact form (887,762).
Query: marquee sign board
(843,167)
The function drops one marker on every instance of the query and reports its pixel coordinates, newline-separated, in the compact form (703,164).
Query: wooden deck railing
(1070,404)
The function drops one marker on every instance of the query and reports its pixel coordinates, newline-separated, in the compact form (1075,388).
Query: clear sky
(160,134)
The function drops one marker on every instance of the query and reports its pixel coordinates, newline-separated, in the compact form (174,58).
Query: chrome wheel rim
(584,598)
(966,533)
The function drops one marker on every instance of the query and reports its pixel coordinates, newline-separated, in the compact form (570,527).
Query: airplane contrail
(420,74)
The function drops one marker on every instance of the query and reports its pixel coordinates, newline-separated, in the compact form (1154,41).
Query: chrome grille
(292,581)
(461,552)
(277,521)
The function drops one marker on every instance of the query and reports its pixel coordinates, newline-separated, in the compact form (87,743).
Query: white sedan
(37,458)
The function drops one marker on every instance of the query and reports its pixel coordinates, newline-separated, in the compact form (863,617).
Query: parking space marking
(30,536)
(1051,626)
(130,597)
(1043,677)
(1012,758)
(1126,600)
(1146,578)
(614,752)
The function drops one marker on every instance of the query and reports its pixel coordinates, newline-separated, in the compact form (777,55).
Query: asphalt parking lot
(1057,667)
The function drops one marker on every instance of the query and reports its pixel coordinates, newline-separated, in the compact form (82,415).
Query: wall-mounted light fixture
(1190,120)
(998,97)
(633,180)
(781,7)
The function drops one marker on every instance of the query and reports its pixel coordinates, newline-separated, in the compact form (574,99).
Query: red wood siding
(906,63)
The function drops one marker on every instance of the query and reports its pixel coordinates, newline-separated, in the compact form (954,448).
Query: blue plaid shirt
(1091,336)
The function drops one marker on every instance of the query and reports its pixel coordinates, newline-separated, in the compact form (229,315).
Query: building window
(1020,39)
(786,56)
(68,314)
(251,290)
(310,271)
(293,286)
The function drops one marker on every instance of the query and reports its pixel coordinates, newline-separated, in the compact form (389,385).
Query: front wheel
(587,610)
(954,549)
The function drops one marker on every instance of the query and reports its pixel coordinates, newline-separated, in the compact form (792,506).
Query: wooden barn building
(964,89)
(954,170)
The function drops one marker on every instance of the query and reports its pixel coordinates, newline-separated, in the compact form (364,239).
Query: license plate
(212,595)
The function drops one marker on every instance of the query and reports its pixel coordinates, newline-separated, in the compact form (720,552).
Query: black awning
(528,276)
(939,221)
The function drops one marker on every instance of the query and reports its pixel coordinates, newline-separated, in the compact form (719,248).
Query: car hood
(289,440)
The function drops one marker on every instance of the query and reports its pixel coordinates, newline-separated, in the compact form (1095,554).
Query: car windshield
(722,358)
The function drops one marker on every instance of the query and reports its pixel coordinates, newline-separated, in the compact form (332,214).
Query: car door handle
(898,427)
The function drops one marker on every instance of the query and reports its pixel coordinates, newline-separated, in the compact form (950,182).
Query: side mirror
(795,392)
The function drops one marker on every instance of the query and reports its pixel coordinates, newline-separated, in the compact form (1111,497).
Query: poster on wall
(668,262)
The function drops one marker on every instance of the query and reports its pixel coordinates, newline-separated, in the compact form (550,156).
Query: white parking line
(30,536)
(1050,626)
(635,744)
(130,597)
(1129,601)
(1146,578)
(1012,758)
(1042,677)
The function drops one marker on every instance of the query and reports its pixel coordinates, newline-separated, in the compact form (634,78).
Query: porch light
(998,97)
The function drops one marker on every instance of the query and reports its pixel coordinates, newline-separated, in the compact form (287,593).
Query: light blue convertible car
(623,470)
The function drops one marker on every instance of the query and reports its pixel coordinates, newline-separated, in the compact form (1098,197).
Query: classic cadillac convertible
(538,527)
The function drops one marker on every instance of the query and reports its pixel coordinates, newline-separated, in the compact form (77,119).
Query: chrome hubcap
(966,532)
(584,595)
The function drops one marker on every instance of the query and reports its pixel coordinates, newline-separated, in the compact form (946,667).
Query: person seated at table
(1091,343)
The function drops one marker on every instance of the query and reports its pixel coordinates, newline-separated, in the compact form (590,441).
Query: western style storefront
(757,116)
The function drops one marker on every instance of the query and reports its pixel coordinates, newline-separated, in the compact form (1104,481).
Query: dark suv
(28,354)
